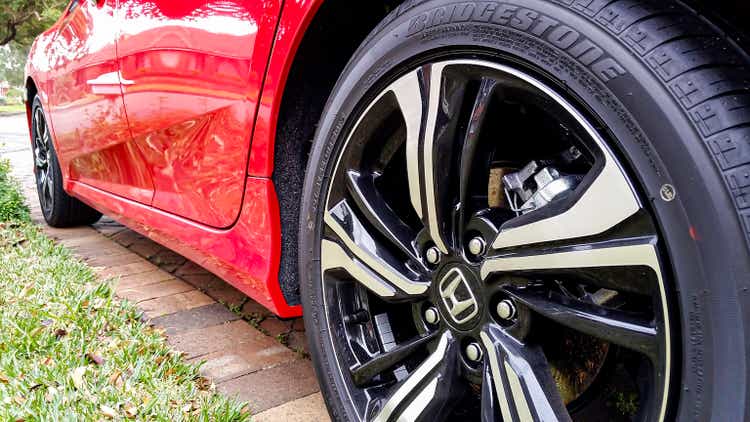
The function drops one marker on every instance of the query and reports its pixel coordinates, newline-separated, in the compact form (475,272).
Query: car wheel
(59,208)
(532,211)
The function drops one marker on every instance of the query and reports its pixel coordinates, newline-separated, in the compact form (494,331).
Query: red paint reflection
(191,75)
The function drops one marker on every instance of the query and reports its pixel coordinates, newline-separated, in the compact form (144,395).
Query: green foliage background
(12,60)
(22,20)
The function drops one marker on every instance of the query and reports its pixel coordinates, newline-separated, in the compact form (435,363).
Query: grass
(12,108)
(70,350)
(12,206)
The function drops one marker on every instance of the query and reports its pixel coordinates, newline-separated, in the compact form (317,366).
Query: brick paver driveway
(248,352)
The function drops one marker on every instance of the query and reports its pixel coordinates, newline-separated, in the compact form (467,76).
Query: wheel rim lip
(594,135)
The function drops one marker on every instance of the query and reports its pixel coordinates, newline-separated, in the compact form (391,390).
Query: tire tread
(703,69)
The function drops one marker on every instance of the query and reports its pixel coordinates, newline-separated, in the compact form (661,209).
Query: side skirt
(246,255)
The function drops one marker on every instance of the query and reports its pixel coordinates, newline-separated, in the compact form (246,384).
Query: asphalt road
(15,145)
(14,134)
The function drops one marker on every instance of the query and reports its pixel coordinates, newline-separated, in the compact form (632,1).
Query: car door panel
(86,105)
(191,74)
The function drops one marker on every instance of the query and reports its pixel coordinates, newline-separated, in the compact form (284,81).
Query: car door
(86,106)
(191,74)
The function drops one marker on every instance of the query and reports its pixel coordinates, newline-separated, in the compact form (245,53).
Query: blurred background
(20,22)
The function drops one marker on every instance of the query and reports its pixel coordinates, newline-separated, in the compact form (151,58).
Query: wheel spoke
(607,201)
(429,391)
(469,147)
(494,406)
(379,214)
(49,183)
(42,178)
(367,261)
(45,137)
(522,379)
(411,101)
(429,149)
(638,258)
(45,188)
(38,160)
(638,253)
(333,256)
(611,325)
(39,120)
(41,141)
(364,373)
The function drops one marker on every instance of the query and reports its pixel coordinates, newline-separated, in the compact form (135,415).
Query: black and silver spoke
(521,380)
(484,255)
(429,391)
(41,149)
(587,289)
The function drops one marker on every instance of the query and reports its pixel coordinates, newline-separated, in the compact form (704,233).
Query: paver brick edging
(235,355)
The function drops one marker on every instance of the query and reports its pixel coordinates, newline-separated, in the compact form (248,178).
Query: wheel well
(31,91)
(334,34)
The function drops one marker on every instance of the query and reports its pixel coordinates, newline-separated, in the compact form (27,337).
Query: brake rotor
(575,361)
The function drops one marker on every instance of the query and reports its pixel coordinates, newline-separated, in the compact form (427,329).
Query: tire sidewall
(651,133)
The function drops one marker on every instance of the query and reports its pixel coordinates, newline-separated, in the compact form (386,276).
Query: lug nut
(431,315)
(476,246)
(506,309)
(474,352)
(433,255)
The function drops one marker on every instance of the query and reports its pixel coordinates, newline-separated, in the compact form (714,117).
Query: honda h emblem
(458,298)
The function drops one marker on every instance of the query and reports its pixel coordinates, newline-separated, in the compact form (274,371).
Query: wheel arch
(306,65)
(30,93)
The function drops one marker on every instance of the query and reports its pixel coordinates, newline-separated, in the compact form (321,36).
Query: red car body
(163,114)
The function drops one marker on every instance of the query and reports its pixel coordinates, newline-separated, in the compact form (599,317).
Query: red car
(520,210)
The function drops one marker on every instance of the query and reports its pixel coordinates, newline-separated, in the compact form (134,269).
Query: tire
(59,208)
(671,93)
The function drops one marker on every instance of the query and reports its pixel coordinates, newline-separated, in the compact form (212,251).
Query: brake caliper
(536,185)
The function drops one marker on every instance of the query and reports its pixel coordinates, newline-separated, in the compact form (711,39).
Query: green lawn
(12,108)
(70,350)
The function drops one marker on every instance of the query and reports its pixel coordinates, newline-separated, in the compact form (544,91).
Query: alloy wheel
(44,175)
(485,254)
